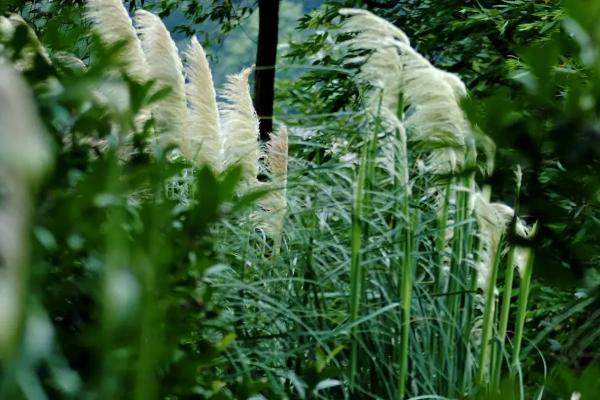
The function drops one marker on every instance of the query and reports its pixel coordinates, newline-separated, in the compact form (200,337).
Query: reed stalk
(357,232)
(457,277)
(499,349)
(488,320)
(522,311)
(406,300)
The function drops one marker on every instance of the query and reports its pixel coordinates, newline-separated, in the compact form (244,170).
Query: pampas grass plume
(240,128)
(492,219)
(113,24)
(165,66)
(204,131)
(434,118)
(274,203)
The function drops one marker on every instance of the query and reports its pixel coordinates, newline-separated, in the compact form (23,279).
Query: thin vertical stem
(457,277)
(441,278)
(365,171)
(355,273)
(522,310)
(503,324)
(441,238)
(488,320)
(406,299)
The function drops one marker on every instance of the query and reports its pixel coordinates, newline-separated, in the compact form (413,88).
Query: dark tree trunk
(266,57)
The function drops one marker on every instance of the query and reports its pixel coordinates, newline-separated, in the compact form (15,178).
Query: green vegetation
(417,238)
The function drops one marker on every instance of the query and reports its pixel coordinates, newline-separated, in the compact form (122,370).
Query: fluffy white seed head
(370,26)
(382,70)
(112,23)
(165,66)
(434,118)
(204,131)
(239,124)
(492,220)
(277,156)
(274,203)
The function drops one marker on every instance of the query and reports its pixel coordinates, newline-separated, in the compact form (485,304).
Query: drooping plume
(204,132)
(277,156)
(431,97)
(434,118)
(370,26)
(381,69)
(164,66)
(239,124)
(113,24)
(492,220)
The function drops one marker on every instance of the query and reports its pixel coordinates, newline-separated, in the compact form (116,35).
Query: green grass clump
(150,277)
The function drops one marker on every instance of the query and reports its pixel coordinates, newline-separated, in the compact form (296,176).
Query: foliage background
(529,85)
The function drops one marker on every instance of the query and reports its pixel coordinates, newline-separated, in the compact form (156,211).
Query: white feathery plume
(204,131)
(277,157)
(492,219)
(383,102)
(382,70)
(370,26)
(434,118)
(170,114)
(113,24)
(239,124)
(24,157)
(274,203)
